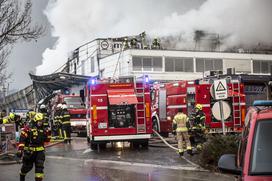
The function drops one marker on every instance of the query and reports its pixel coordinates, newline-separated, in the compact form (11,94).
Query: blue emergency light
(262,103)
(146,79)
(93,81)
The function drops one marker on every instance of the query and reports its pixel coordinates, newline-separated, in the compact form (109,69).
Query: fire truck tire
(135,144)
(93,145)
(88,139)
(144,144)
(164,134)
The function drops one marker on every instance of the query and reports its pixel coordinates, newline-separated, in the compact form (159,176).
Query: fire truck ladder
(141,128)
(236,103)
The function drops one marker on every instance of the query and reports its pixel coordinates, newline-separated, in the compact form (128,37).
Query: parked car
(254,158)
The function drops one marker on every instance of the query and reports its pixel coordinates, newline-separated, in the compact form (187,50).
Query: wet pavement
(77,162)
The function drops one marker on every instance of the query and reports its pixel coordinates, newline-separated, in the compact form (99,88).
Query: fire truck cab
(168,97)
(118,110)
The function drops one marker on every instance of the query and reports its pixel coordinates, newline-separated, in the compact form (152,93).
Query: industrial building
(107,58)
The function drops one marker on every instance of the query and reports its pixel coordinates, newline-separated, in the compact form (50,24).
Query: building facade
(106,58)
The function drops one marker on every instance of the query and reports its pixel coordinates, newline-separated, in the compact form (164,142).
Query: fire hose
(174,148)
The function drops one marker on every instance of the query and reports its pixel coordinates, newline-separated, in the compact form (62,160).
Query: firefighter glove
(19,153)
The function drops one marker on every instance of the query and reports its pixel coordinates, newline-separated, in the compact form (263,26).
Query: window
(179,64)
(204,64)
(261,162)
(147,63)
(83,67)
(157,64)
(92,64)
(137,64)
(260,66)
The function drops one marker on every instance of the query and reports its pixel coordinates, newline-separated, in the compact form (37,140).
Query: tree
(15,25)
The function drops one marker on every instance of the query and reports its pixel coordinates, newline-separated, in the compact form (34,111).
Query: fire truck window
(74,102)
(137,63)
(147,64)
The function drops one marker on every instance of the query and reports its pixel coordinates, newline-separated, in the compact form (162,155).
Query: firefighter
(31,147)
(30,116)
(180,123)
(133,43)
(156,43)
(57,122)
(43,110)
(3,113)
(199,117)
(198,130)
(125,44)
(10,119)
(66,124)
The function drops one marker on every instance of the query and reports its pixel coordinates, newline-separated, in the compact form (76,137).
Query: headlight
(168,118)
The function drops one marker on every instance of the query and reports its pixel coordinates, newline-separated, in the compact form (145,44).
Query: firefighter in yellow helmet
(156,43)
(180,123)
(10,119)
(31,147)
(199,117)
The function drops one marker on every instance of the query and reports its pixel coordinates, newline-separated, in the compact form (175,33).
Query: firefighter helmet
(59,105)
(11,115)
(199,106)
(38,117)
(42,106)
(64,106)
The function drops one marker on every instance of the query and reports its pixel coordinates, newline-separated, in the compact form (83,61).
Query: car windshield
(261,162)
(74,102)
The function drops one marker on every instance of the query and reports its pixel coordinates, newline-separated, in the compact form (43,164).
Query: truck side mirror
(226,164)
(81,94)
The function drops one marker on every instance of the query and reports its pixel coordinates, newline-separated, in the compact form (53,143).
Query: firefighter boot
(22,177)
(190,152)
(180,152)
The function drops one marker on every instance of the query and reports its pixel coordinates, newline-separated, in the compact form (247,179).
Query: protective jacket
(181,120)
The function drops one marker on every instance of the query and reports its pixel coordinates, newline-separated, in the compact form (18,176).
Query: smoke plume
(242,23)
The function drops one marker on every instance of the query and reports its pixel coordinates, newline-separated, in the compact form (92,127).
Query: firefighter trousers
(66,128)
(30,158)
(183,137)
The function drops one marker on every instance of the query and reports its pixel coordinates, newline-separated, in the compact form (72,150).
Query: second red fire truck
(168,97)
(118,110)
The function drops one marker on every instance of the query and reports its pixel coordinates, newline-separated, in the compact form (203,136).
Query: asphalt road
(77,162)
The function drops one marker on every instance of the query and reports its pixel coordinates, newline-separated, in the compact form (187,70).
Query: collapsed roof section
(45,85)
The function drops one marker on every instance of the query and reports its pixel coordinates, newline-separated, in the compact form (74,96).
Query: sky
(26,56)
(243,24)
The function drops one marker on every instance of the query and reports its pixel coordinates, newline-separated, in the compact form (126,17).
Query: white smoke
(243,22)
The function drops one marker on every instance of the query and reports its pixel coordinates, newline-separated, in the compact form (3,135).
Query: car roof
(264,114)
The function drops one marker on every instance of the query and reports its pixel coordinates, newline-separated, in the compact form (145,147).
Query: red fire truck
(168,97)
(76,109)
(118,110)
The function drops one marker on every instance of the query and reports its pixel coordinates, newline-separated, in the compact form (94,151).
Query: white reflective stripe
(241,103)
(147,93)
(129,95)
(234,81)
(179,95)
(176,106)
(122,137)
(96,95)
(101,108)
(206,105)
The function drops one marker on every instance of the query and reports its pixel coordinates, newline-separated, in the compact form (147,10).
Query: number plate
(102,125)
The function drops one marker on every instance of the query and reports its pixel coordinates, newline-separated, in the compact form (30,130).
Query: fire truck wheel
(88,139)
(135,144)
(144,144)
(93,145)
(164,134)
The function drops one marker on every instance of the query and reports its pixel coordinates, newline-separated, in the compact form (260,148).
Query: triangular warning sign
(220,87)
